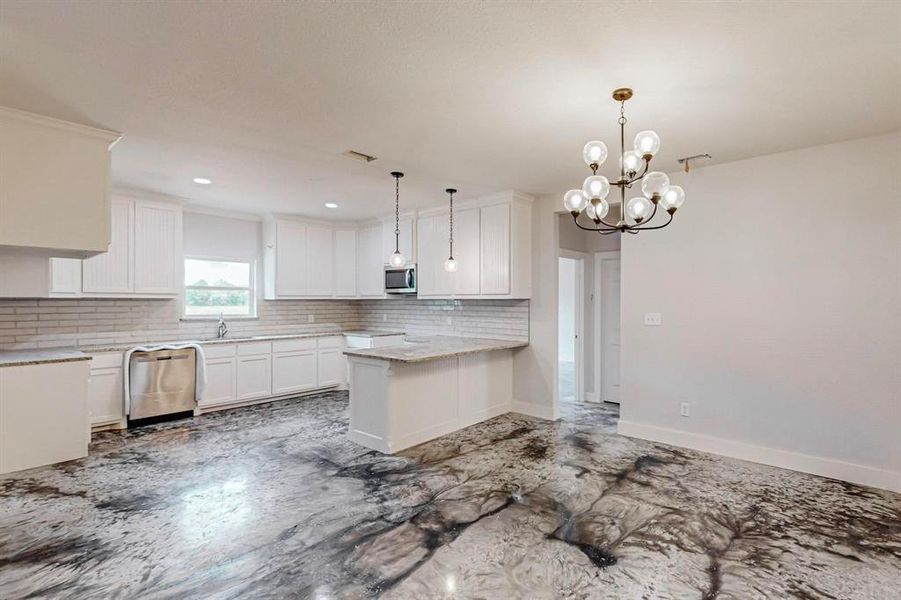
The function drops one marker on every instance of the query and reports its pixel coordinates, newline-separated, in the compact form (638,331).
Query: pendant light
(397,259)
(450,265)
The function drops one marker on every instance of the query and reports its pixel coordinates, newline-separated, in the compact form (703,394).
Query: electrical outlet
(311,319)
(685,409)
(652,320)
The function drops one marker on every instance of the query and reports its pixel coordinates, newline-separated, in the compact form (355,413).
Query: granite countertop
(434,348)
(18,358)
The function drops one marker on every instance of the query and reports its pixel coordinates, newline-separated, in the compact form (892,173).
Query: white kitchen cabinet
(54,185)
(285,260)
(345,263)
(157,248)
(332,368)
(112,271)
(221,382)
(293,371)
(406,240)
(65,277)
(466,252)
(320,261)
(495,255)
(432,280)
(106,392)
(254,376)
(370,263)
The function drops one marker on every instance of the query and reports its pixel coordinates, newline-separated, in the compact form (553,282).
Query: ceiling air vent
(360,156)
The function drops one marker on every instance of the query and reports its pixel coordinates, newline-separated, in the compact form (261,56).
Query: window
(219,286)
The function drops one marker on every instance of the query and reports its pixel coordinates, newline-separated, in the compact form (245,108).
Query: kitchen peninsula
(407,394)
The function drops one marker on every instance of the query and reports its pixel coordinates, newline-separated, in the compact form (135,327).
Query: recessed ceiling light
(331,205)
(203,180)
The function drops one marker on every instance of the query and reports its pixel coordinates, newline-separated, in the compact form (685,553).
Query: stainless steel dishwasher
(161,384)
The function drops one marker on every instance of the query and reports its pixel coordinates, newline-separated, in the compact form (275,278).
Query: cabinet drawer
(294,345)
(106,360)
(252,348)
(333,341)
(218,350)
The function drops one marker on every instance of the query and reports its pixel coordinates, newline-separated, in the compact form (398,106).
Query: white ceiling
(263,98)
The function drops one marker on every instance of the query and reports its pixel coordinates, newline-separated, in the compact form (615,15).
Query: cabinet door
(291,259)
(221,382)
(293,371)
(106,396)
(254,377)
(111,272)
(467,252)
(65,276)
(433,234)
(320,261)
(371,265)
(405,240)
(345,262)
(157,248)
(332,367)
(495,250)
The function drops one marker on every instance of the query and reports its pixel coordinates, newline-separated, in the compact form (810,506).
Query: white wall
(779,285)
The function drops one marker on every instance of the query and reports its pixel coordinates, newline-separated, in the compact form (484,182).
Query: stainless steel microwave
(400,280)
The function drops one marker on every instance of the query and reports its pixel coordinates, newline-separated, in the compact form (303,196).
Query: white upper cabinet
(145,255)
(157,248)
(406,241)
(111,271)
(492,248)
(320,261)
(370,263)
(52,168)
(345,255)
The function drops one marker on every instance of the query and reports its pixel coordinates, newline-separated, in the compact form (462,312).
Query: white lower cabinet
(221,382)
(254,376)
(106,392)
(293,371)
(332,368)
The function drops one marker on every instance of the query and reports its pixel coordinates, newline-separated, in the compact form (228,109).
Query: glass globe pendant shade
(574,201)
(639,208)
(601,209)
(654,184)
(589,210)
(450,265)
(594,153)
(632,161)
(596,186)
(672,197)
(647,143)
(397,260)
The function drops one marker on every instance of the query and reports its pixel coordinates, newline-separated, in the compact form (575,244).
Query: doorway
(607,332)
(570,323)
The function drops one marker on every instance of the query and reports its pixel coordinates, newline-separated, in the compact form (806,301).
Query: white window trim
(253,289)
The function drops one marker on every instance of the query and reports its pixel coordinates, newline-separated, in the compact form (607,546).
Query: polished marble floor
(273,502)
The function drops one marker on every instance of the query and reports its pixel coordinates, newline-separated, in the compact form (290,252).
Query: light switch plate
(311,319)
(685,409)
(652,320)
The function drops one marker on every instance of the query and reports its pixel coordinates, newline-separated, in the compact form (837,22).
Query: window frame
(252,288)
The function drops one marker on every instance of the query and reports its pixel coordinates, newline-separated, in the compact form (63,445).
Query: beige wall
(781,313)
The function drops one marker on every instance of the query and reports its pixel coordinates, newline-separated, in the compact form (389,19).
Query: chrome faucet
(223,328)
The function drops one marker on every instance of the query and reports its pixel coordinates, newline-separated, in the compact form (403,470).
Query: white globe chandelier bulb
(672,197)
(574,201)
(596,187)
(647,143)
(397,260)
(601,209)
(589,211)
(653,184)
(632,161)
(450,265)
(639,208)
(594,153)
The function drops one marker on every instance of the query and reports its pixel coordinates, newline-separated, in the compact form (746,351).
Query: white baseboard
(542,411)
(591,397)
(816,465)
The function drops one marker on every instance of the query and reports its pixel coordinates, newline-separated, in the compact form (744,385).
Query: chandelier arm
(628,182)
(612,225)
(637,229)
(595,229)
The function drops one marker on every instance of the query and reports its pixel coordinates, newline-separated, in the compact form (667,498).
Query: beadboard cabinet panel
(320,261)
(345,257)
(157,248)
(495,250)
(112,271)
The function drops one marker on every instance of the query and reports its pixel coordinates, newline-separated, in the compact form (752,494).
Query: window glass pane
(216,273)
(201,302)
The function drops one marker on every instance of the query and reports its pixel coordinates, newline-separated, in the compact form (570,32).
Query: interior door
(610,330)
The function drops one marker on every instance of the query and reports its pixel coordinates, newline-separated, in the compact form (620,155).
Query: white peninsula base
(395,405)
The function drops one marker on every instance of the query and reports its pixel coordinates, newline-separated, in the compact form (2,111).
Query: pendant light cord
(397,212)
(451,225)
